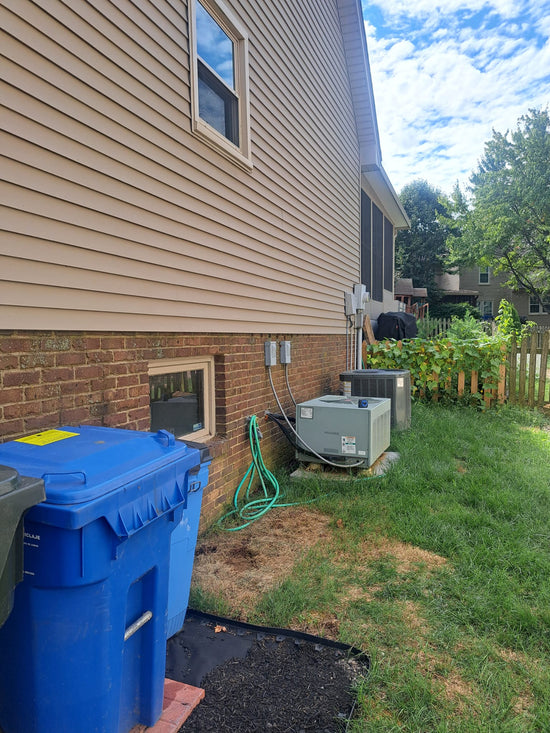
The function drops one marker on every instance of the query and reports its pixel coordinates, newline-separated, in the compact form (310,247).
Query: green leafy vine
(435,364)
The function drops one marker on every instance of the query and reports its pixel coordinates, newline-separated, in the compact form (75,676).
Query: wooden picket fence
(433,327)
(523,379)
(528,373)
(524,376)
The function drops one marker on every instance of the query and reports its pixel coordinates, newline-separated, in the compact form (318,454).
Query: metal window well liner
(260,678)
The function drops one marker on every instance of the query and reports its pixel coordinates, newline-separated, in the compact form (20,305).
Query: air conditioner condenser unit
(343,429)
(392,383)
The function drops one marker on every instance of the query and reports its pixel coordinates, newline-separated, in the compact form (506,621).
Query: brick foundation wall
(49,379)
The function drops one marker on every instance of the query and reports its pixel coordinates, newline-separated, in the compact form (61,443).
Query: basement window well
(181,397)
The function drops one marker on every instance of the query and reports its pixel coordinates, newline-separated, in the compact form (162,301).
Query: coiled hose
(253,509)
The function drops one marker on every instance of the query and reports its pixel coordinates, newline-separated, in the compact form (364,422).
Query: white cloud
(399,8)
(442,83)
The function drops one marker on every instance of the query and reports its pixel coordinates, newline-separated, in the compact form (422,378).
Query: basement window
(181,397)
(219,79)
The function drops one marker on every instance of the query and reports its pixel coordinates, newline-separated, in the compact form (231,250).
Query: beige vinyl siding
(361,88)
(115,216)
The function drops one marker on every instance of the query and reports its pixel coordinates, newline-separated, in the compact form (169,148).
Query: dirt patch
(408,557)
(524,702)
(413,618)
(457,690)
(440,666)
(241,566)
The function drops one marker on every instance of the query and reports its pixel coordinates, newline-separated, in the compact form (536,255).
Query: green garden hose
(253,509)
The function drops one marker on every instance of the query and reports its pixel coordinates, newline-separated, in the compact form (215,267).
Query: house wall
(495,291)
(126,239)
(50,379)
(448,281)
(117,217)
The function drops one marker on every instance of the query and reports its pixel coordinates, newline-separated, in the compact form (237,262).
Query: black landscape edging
(282,632)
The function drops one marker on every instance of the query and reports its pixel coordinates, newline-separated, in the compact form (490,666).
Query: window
(534,305)
(182,397)
(486,308)
(377,254)
(483,275)
(219,78)
(388,255)
(366,241)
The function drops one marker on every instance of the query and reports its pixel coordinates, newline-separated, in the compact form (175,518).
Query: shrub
(434,364)
(467,328)
(449,310)
(508,321)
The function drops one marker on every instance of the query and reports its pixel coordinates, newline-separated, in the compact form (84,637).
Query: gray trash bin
(17,495)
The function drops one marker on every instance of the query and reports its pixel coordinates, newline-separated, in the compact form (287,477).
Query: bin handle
(165,438)
(136,626)
(72,474)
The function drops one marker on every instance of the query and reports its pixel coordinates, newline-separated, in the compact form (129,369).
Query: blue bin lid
(81,464)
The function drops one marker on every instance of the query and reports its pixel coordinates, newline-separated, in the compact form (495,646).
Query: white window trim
(206,363)
(482,309)
(231,26)
(484,271)
(538,307)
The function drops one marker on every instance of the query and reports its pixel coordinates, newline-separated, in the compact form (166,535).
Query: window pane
(486,308)
(366,241)
(484,276)
(211,107)
(217,104)
(377,254)
(388,255)
(214,46)
(177,401)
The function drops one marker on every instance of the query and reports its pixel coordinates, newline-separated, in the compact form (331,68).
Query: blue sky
(446,73)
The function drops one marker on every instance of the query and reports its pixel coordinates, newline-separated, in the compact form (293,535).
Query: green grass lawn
(440,570)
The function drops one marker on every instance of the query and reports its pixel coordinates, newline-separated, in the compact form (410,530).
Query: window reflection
(212,107)
(177,401)
(214,46)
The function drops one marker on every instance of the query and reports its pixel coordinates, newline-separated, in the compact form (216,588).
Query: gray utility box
(392,383)
(17,495)
(337,427)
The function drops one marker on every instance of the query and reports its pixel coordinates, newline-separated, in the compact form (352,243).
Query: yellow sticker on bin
(46,437)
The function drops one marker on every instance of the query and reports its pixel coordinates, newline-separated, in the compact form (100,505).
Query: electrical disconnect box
(349,429)
(284,354)
(392,383)
(270,351)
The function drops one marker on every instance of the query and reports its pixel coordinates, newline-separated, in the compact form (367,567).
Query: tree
(420,251)
(505,223)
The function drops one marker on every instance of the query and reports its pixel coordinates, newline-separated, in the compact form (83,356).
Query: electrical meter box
(348,429)
(392,383)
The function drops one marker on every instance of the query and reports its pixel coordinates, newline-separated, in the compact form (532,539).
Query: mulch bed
(259,680)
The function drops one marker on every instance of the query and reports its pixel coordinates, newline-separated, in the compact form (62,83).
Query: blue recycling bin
(86,640)
(184,541)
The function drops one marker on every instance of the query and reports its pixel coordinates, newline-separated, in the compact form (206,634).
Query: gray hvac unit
(343,429)
(392,383)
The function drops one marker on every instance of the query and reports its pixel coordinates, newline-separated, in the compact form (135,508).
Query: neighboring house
(415,300)
(183,181)
(481,287)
